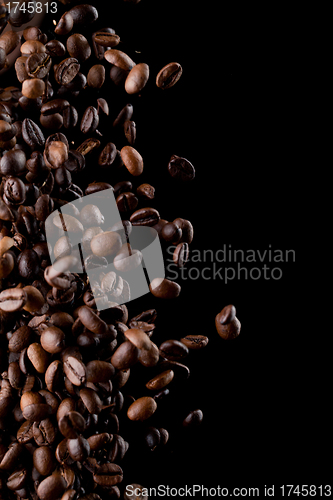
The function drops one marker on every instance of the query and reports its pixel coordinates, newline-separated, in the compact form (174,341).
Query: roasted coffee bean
(118,75)
(9,41)
(91,321)
(160,381)
(227,315)
(193,419)
(13,299)
(43,460)
(142,409)
(132,160)
(65,24)
(108,475)
(72,425)
(106,39)
(67,70)
(102,106)
(105,244)
(138,338)
(14,453)
(127,202)
(90,120)
(55,48)
(52,487)
(130,131)
(108,155)
(78,448)
(28,264)
(181,169)
(52,340)
(125,356)
(44,432)
(98,441)
(83,14)
(91,400)
(146,191)
(99,371)
(195,341)
(78,47)
(13,162)
(54,106)
(20,339)
(145,217)
(173,350)
(181,254)
(14,190)
(229,330)
(38,356)
(21,14)
(32,134)
(74,370)
(38,65)
(164,288)
(187,230)
(54,376)
(137,78)
(169,75)
(70,117)
(119,59)
(31,47)
(20,68)
(17,479)
(96,76)
(170,232)
(44,207)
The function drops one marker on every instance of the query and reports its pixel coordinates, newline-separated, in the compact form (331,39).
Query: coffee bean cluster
(64,364)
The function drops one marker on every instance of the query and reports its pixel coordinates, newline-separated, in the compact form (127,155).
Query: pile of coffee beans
(64,408)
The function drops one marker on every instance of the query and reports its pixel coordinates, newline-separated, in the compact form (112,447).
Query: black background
(233,115)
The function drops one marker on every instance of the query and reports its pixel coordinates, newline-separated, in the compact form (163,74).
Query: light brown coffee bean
(125,356)
(107,243)
(119,59)
(35,299)
(160,381)
(13,299)
(164,288)
(74,370)
(33,88)
(32,47)
(229,330)
(138,338)
(137,78)
(132,160)
(38,357)
(91,400)
(195,341)
(142,409)
(52,340)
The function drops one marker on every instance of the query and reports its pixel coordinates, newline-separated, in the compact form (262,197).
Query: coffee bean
(21,14)
(160,381)
(38,65)
(173,350)
(108,155)
(43,460)
(44,432)
(108,475)
(13,299)
(96,76)
(90,120)
(132,160)
(67,70)
(70,118)
(54,106)
(32,47)
(9,41)
(38,357)
(181,254)
(195,341)
(137,78)
(142,409)
(138,338)
(55,48)
(181,169)
(193,419)
(145,217)
(104,244)
(169,75)
(119,59)
(78,448)
(227,315)
(52,340)
(65,24)
(20,339)
(146,191)
(54,376)
(78,47)
(230,330)
(83,14)
(106,39)
(13,162)
(91,321)
(99,371)
(125,356)
(164,288)
(74,370)
(14,453)
(72,425)
(187,230)
(20,68)
(127,202)
(171,233)
(52,487)
(91,400)
(28,264)
(32,134)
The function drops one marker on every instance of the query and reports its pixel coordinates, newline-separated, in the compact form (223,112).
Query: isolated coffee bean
(146,191)
(106,39)
(137,78)
(15,190)
(227,315)
(132,160)
(195,341)
(187,230)
(229,330)
(78,47)
(142,409)
(96,76)
(28,264)
(193,419)
(90,120)
(160,381)
(164,288)
(181,169)
(181,254)
(145,217)
(169,75)
(173,350)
